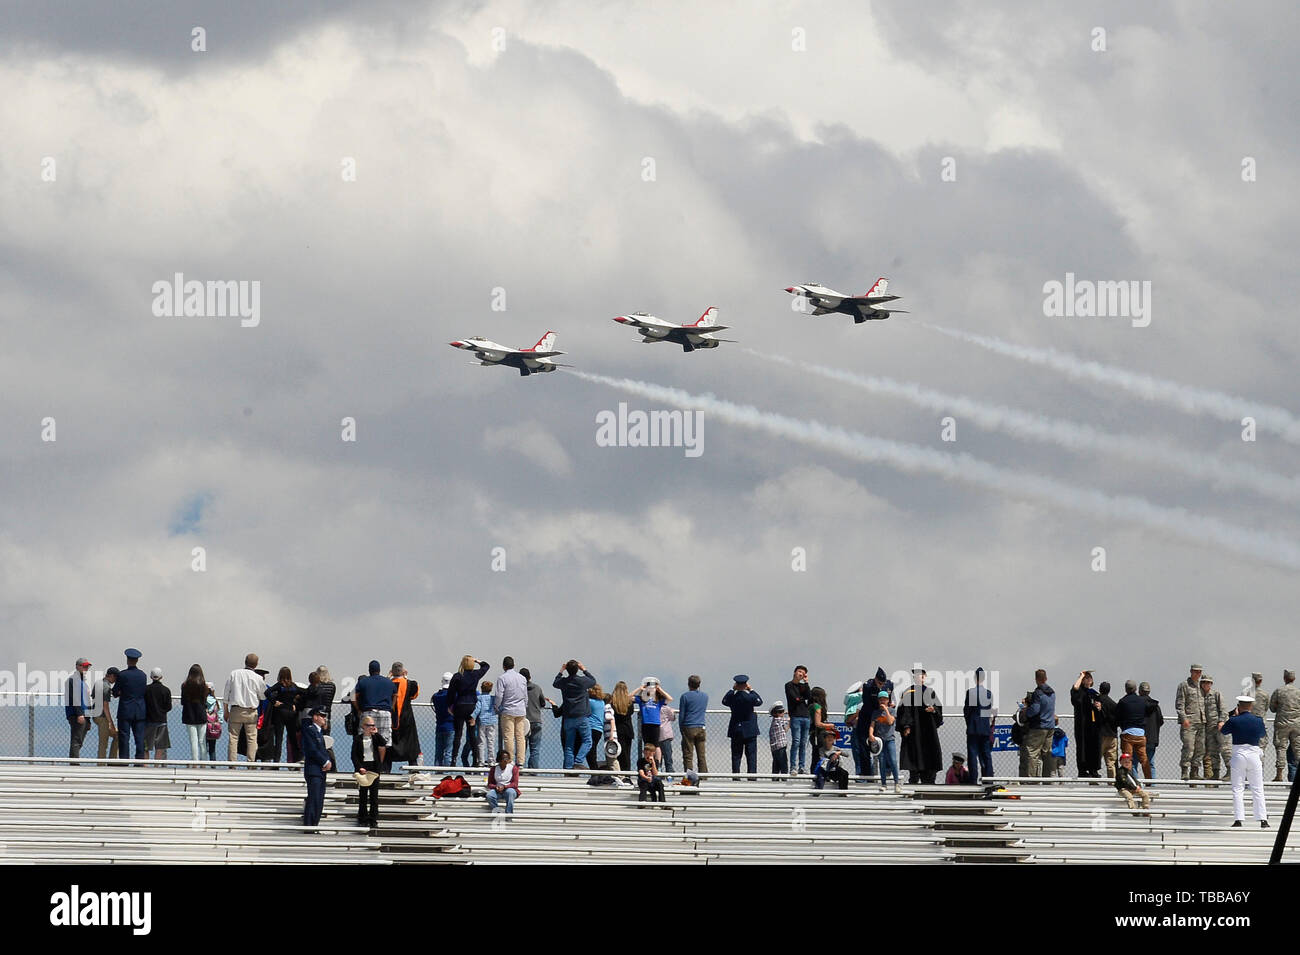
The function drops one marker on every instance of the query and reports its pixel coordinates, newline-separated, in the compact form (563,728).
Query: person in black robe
(1087,727)
(405,747)
(919,719)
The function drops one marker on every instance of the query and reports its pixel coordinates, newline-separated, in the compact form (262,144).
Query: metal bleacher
(169,812)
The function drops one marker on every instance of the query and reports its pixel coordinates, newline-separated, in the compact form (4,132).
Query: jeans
(799,728)
(77,735)
(442,737)
(888,759)
(510,795)
(198,740)
(462,713)
(979,756)
(576,732)
(861,755)
(593,754)
(534,746)
(666,752)
(750,748)
(781,760)
(469,752)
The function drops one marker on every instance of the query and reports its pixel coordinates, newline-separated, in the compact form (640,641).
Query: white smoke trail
(970,470)
(1065,434)
(1198,401)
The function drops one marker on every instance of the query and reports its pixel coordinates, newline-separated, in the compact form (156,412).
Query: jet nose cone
(621,319)
(455,344)
(790,288)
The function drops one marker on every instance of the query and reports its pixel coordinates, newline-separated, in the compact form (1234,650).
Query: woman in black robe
(1087,727)
(919,719)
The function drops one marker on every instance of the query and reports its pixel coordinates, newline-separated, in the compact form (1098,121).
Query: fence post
(31,726)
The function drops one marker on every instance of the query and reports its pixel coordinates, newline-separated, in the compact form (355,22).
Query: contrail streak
(969,470)
(1065,434)
(1186,398)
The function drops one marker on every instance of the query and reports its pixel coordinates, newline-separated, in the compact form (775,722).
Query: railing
(33,724)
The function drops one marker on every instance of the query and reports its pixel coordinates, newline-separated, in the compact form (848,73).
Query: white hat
(365,777)
(446,680)
(156,673)
(1245,699)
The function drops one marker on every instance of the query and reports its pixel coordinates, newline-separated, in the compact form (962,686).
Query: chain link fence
(34,724)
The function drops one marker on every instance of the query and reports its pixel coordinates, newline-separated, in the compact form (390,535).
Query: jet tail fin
(545,343)
(882,284)
(709,318)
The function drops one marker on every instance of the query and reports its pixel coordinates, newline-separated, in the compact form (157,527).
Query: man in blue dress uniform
(315,764)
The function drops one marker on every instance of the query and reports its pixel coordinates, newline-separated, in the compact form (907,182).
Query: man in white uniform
(1247,731)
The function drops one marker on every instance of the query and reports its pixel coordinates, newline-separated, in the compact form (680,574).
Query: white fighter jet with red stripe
(698,334)
(825,301)
(539,358)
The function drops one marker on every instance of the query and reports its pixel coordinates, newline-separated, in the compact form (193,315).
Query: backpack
(452,786)
(214,725)
(1018,733)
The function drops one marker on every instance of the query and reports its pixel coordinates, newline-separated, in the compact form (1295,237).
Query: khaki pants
(1109,754)
(1038,744)
(1143,795)
(693,746)
(107,733)
(1136,746)
(514,738)
(245,716)
(1193,748)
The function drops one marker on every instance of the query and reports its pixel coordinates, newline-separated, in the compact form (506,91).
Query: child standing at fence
(882,728)
(778,735)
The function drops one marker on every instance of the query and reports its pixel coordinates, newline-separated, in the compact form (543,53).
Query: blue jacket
(314,756)
(597,718)
(129,689)
(76,697)
(485,708)
(692,708)
(374,692)
(1245,728)
(743,723)
(978,709)
(1041,713)
(442,710)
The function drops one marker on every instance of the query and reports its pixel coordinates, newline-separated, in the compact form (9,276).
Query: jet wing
(539,354)
(704,329)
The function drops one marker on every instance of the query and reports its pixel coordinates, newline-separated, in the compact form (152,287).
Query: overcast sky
(503,145)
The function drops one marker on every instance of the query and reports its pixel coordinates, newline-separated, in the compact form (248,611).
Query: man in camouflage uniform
(1215,713)
(1260,708)
(1190,707)
(1285,702)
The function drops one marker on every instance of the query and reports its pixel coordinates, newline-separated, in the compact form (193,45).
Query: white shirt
(244,688)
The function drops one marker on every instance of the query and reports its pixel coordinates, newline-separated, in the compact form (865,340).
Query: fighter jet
(698,334)
(862,307)
(539,358)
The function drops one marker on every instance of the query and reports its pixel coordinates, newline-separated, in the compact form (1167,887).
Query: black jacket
(317,695)
(157,702)
(573,693)
(1131,711)
(194,704)
(1155,719)
(463,689)
(1107,715)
